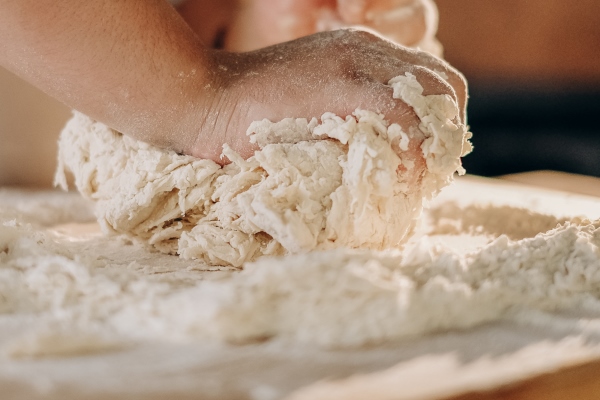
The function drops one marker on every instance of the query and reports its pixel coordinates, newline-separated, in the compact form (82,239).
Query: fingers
(352,11)
(262,23)
(358,11)
(433,83)
(363,55)
(293,19)
(444,71)
(403,21)
(396,110)
(408,147)
(384,60)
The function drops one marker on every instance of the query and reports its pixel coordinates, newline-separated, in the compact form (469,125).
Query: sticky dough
(313,185)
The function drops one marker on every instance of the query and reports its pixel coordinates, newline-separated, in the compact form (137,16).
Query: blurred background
(533,68)
(534,74)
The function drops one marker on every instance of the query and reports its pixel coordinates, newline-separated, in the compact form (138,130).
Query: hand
(336,71)
(407,22)
(261,23)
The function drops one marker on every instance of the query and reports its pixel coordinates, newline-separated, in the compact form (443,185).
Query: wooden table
(562,181)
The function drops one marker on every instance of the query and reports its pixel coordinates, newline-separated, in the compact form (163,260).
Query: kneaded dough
(313,185)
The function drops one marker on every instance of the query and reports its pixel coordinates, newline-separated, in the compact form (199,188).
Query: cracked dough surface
(337,183)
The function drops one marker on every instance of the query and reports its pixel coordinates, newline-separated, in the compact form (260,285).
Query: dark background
(533,68)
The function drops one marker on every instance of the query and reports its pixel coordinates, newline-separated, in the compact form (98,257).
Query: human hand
(261,23)
(336,71)
(408,22)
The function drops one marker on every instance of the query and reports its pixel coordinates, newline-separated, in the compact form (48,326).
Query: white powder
(342,298)
(103,294)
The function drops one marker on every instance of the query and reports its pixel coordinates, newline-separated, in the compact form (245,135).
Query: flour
(103,295)
(515,223)
(340,298)
(312,186)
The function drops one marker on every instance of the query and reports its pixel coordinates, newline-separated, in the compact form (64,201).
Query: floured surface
(155,316)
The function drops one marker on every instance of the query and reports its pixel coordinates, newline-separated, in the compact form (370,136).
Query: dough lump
(313,185)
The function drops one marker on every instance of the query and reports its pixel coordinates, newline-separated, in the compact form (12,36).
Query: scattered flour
(102,294)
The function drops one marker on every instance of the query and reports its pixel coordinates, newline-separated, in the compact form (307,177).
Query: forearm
(134,65)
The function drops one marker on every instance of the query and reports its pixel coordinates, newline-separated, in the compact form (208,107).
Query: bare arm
(134,65)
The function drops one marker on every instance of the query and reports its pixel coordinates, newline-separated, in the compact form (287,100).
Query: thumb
(352,11)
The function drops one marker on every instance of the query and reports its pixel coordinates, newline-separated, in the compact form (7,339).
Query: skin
(138,67)
(260,23)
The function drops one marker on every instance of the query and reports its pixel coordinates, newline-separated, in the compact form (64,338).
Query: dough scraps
(312,186)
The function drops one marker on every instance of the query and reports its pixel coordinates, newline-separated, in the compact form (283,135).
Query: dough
(312,186)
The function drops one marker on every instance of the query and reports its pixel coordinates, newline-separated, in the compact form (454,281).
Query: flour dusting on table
(70,294)
(316,218)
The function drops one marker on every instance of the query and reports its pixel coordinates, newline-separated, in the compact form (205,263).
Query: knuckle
(456,78)
(360,35)
(432,82)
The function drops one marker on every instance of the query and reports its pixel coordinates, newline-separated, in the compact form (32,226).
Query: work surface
(442,365)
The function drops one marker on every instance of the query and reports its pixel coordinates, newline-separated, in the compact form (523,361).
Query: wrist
(221,110)
(188,104)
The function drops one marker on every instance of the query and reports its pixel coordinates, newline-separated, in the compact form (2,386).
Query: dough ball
(313,185)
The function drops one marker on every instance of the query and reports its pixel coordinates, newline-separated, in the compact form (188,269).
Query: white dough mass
(312,186)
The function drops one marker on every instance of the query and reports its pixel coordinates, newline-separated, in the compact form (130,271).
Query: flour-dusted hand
(337,71)
(140,69)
